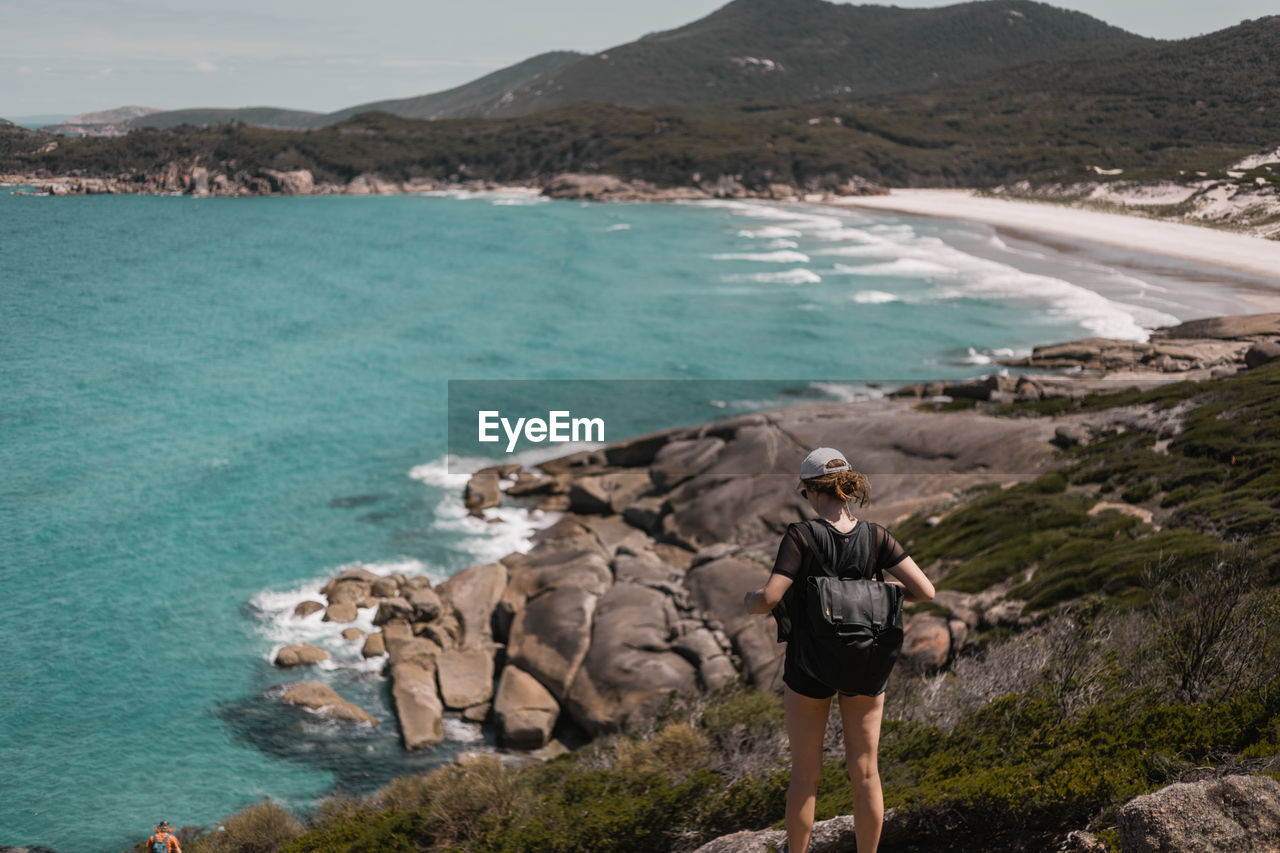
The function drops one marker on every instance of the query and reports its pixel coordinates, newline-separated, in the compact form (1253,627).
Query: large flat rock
(550,636)
(630,666)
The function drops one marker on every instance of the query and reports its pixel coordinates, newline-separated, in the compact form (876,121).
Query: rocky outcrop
(466,677)
(716,589)
(300,654)
(306,608)
(829,836)
(926,642)
(524,710)
(323,700)
(1197,345)
(635,592)
(1226,815)
(417,703)
(631,665)
(296,182)
(551,634)
(473,593)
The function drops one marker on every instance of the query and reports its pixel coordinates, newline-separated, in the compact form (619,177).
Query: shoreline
(1255,257)
(1253,261)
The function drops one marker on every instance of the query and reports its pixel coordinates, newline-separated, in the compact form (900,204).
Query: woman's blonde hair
(843,485)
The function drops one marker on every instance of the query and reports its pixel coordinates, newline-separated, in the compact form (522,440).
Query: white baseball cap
(818,463)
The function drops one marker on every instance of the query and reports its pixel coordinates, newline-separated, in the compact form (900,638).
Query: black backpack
(848,628)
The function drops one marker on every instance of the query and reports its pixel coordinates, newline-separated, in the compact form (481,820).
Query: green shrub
(261,828)
(1139,492)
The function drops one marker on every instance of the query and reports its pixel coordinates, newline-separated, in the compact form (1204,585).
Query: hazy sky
(72,56)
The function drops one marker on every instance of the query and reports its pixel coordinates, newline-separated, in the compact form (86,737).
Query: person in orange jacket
(163,840)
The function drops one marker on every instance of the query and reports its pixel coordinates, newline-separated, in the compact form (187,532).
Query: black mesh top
(858,553)
(793,555)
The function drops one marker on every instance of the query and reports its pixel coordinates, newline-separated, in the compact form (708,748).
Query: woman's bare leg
(861,717)
(806,725)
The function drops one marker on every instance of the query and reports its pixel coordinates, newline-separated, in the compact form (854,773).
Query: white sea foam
(501,530)
(779,257)
(986,356)
(907,253)
(771,232)
(461,731)
(849,393)
(274,612)
(874,297)
(795,276)
(855,235)
(621,226)
(781,244)
(864,250)
(910,267)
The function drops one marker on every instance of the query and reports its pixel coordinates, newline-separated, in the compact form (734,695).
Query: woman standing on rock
(858,548)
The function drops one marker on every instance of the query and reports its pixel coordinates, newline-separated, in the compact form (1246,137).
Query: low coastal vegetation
(1147,652)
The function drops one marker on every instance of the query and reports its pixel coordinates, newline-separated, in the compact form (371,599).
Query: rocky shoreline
(190,179)
(635,591)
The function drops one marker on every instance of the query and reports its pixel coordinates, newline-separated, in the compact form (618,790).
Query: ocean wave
(848,392)
(770,232)
(874,297)
(781,244)
(621,226)
(795,276)
(910,267)
(863,250)
(986,356)
(856,235)
(779,257)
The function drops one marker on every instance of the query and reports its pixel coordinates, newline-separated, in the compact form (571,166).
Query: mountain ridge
(768,50)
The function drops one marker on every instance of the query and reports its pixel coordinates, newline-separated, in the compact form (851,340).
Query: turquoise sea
(208,405)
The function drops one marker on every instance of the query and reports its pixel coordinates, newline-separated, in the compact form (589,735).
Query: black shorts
(805,684)
(802,682)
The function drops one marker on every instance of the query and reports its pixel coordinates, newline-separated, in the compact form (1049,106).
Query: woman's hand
(766,597)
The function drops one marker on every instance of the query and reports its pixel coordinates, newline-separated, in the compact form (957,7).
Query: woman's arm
(913,580)
(785,567)
(767,597)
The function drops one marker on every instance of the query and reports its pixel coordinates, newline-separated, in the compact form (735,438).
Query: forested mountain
(804,49)
(763,50)
(449,102)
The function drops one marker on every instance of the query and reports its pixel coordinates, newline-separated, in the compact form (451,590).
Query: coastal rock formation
(473,593)
(466,677)
(1234,813)
(524,710)
(1197,345)
(417,702)
(551,634)
(630,666)
(297,182)
(635,592)
(306,608)
(611,188)
(322,699)
(300,654)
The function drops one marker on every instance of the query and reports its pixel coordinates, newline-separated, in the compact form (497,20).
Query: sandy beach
(1252,256)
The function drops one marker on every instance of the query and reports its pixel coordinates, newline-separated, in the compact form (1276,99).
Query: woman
(829,484)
